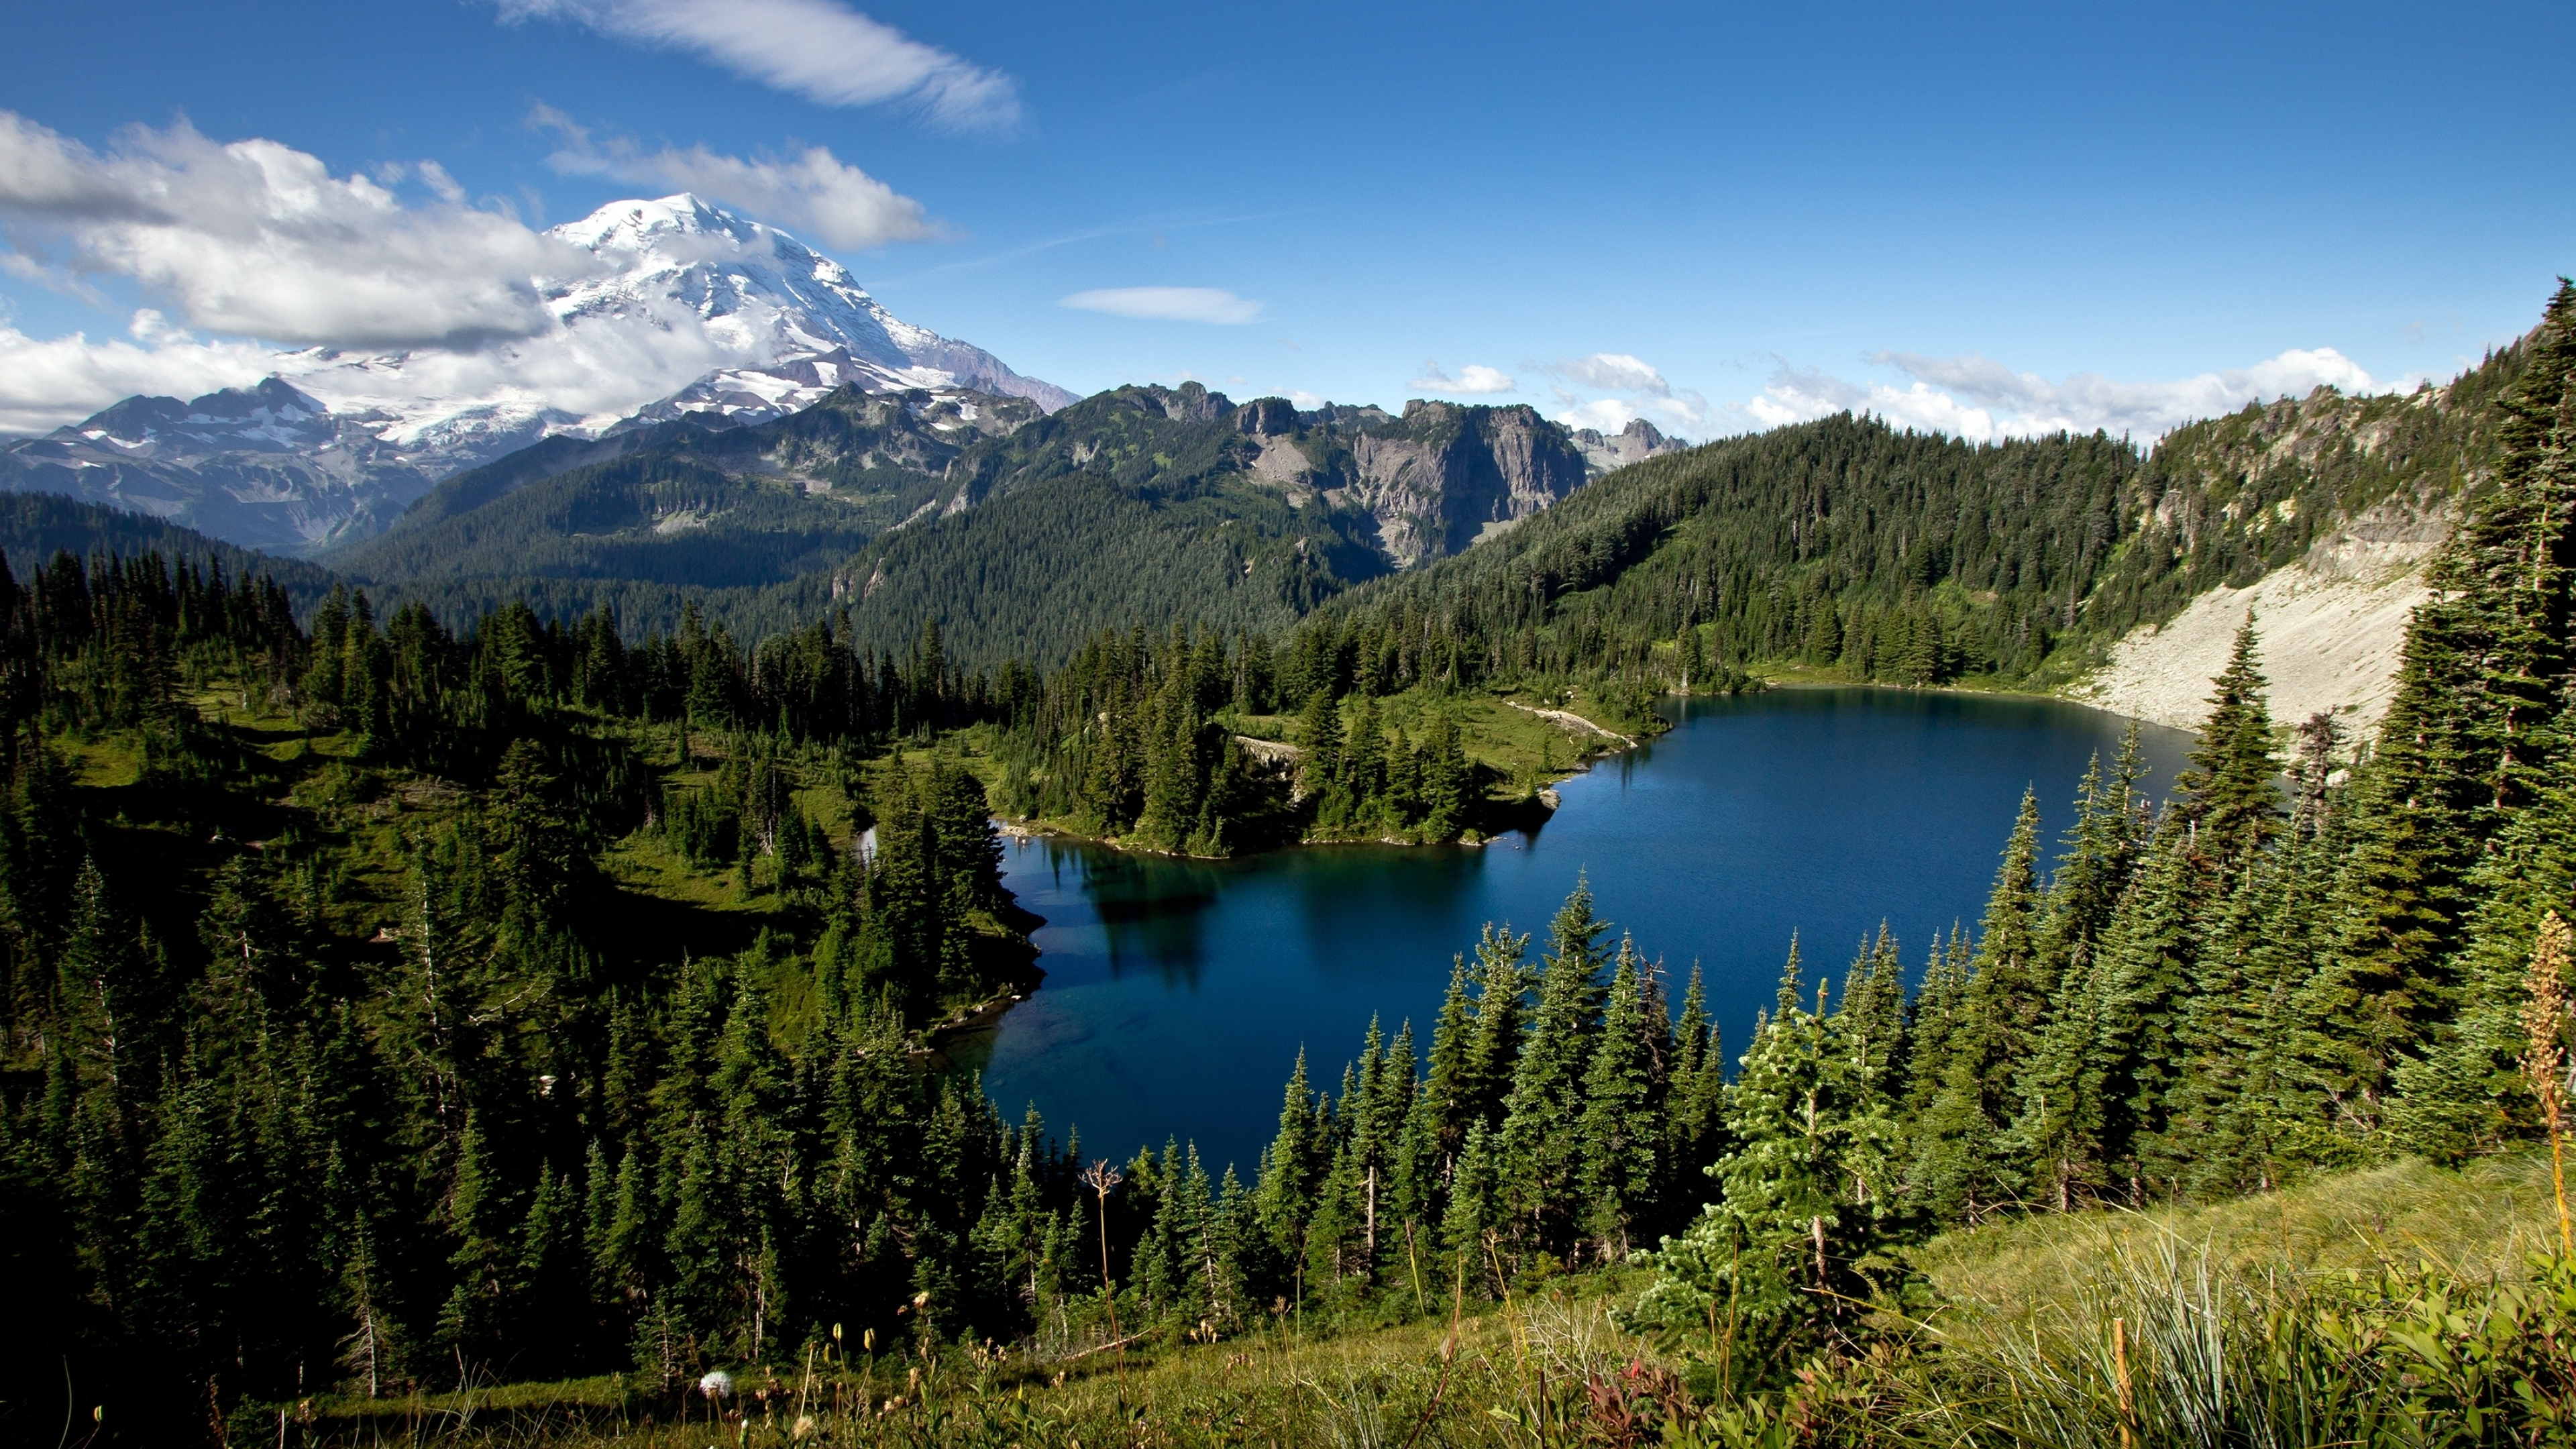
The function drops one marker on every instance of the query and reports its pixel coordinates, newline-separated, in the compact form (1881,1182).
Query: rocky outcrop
(1446,476)
(1634,443)
(2318,514)
(1434,481)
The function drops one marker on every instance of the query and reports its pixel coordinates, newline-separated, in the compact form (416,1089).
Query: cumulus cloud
(1612,372)
(1475,378)
(2088,400)
(813,192)
(1166,304)
(1637,390)
(44,384)
(257,239)
(817,49)
(1972,396)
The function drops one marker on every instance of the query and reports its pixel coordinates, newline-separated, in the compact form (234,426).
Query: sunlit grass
(2483,1222)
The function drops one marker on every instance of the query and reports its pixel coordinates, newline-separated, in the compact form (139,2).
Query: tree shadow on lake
(1153,912)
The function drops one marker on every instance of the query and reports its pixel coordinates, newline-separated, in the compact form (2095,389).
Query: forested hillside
(327,944)
(390,1008)
(36,526)
(1019,536)
(1847,546)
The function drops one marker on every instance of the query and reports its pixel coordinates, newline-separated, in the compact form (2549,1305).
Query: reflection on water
(1179,993)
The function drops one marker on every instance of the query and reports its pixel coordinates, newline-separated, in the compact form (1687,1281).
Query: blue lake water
(1179,992)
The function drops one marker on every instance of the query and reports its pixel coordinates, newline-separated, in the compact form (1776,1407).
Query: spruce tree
(1694,1107)
(1475,1212)
(1959,1167)
(1448,1090)
(1292,1169)
(1622,1092)
(1538,1160)
(2228,795)
(1782,1245)
(1494,1047)
(2215,1041)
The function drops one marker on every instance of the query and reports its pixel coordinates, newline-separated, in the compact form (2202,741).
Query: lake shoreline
(1179,992)
(1786,683)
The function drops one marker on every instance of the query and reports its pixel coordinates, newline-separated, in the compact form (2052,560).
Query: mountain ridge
(740,322)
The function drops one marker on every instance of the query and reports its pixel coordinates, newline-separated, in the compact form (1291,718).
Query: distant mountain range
(1020,531)
(818,455)
(335,446)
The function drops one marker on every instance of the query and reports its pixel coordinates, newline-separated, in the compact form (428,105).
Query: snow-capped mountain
(685,309)
(681,295)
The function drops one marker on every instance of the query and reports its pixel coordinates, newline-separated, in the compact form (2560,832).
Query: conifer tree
(1783,1243)
(1292,1168)
(2462,1091)
(2214,1041)
(1694,1106)
(2148,959)
(1959,1168)
(2464,747)
(2059,1134)
(1622,1098)
(1448,1090)
(1475,1213)
(1494,1046)
(2228,794)
(1537,1159)
(476,1211)
(2274,1127)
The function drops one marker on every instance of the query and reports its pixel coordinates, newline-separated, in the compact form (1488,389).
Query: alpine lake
(1179,992)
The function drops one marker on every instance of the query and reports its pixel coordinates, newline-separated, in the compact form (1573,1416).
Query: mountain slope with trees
(1849,547)
(402,1084)
(1019,535)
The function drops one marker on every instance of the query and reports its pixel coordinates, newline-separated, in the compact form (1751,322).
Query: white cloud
(1638,390)
(812,192)
(257,239)
(1611,372)
(1166,304)
(817,49)
(1474,378)
(2087,400)
(1972,396)
(44,384)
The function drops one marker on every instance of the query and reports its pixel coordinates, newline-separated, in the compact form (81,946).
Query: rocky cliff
(1444,476)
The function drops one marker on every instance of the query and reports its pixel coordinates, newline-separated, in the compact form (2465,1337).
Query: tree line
(248,1151)
(1910,558)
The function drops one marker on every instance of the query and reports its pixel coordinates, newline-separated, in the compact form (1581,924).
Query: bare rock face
(1435,480)
(1634,443)
(1445,475)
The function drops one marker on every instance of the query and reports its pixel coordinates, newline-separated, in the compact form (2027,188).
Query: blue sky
(1987,218)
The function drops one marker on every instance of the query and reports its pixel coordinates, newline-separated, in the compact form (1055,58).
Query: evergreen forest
(400,1015)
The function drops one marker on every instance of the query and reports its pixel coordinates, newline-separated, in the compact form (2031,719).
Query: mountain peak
(679,307)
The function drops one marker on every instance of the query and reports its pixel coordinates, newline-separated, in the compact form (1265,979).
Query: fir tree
(2228,795)
(1537,1159)
(1622,1101)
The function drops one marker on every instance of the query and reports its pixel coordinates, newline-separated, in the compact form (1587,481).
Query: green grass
(2226,1332)
(2484,1222)
(1477,1379)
